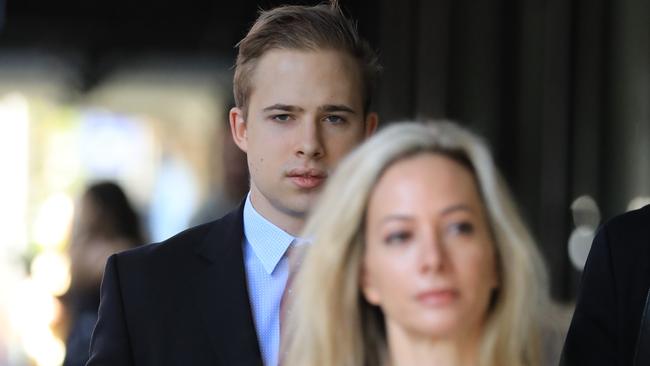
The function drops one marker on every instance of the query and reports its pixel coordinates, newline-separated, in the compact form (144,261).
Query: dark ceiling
(99,34)
(140,25)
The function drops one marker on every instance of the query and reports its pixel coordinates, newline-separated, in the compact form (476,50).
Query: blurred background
(134,95)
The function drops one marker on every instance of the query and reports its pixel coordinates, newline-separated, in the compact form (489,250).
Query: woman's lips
(437,297)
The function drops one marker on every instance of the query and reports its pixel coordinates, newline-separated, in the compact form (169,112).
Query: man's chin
(299,207)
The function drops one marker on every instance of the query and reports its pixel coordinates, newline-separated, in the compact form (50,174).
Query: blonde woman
(418,257)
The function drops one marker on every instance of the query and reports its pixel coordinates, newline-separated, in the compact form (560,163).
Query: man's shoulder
(632,224)
(625,239)
(189,241)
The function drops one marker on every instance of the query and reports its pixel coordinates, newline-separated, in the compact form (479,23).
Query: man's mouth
(307,178)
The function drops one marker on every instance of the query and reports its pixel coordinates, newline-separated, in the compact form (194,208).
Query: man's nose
(310,143)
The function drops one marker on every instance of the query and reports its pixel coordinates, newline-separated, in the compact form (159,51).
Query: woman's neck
(408,349)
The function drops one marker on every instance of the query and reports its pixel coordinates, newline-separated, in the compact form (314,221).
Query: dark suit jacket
(180,302)
(612,296)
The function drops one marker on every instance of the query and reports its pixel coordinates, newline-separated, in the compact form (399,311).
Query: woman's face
(429,260)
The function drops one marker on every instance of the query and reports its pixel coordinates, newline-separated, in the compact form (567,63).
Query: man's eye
(397,237)
(281,117)
(334,119)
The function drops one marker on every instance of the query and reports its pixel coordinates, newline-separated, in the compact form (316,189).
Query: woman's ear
(368,288)
(496,271)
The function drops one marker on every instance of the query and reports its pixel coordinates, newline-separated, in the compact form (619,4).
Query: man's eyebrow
(336,108)
(283,107)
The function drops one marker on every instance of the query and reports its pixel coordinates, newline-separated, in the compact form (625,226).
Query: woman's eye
(461,228)
(397,237)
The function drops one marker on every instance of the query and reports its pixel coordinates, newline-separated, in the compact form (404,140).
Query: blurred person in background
(105,223)
(211,295)
(419,257)
(4,357)
(234,178)
(611,322)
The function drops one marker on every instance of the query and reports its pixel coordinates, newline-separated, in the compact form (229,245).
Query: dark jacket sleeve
(592,336)
(110,344)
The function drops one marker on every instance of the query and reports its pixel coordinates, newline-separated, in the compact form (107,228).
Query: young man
(211,295)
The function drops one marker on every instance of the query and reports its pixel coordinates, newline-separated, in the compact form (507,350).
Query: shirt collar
(269,242)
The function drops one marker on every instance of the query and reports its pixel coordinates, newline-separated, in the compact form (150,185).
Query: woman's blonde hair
(333,324)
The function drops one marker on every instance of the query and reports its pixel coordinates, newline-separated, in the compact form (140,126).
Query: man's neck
(291,224)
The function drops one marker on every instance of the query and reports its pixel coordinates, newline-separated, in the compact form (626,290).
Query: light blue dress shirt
(267,270)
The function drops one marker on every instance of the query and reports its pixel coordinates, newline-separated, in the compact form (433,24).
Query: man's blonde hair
(310,28)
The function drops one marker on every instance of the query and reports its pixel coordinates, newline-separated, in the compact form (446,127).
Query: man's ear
(372,121)
(239,128)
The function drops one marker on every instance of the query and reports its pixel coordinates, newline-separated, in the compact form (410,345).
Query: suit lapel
(642,352)
(222,293)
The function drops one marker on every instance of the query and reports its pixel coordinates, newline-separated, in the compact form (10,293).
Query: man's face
(305,113)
